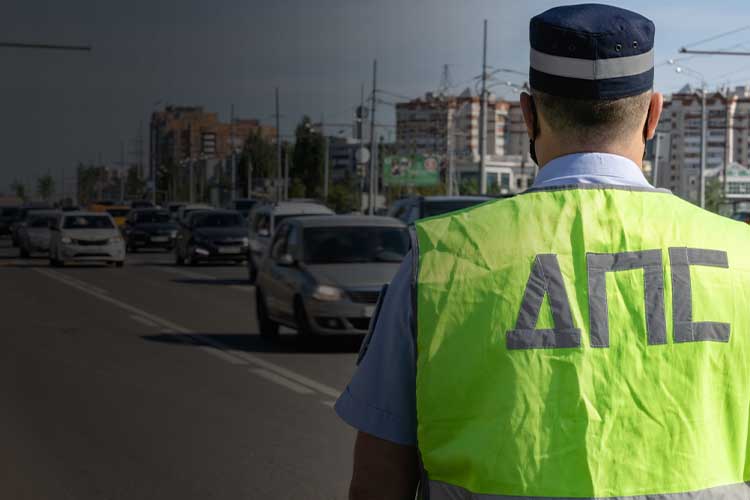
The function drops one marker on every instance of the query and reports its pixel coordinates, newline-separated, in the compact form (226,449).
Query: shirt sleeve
(381,396)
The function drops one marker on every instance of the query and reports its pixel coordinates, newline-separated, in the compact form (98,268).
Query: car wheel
(120,263)
(269,329)
(304,330)
(178,260)
(24,253)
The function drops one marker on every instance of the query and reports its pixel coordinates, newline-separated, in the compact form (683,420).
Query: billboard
(413,170)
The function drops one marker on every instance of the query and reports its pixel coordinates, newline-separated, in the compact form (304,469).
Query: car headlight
(245,241)
(66,240)
(328,293)
(115,239)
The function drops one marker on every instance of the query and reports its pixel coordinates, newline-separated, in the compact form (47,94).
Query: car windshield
(87,222)
(278,219)
(152,217)
(442,207)
(9,211)
(337,245)
(40,221)
(245,205)
(217,220)
(118,212)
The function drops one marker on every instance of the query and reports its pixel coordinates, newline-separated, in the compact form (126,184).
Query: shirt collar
(591,168)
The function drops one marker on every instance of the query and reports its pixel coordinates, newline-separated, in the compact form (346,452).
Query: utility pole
(286,174)
(361,137)
(191,197)
(483,119)
(703,148)
(123,169)
(278,149)
(325,158)
(233,194)
(249,177)
(655,171)
(373,143)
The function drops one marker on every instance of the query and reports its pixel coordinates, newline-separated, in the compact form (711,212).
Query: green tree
(262,153)
(342,197)
(18,188)
(45,187)
(308,158)
(134,185)
(714,194)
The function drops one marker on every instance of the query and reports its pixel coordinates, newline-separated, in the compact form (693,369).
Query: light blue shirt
(381,396)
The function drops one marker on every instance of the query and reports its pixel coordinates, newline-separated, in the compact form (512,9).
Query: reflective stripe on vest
(740,491)
(584,343)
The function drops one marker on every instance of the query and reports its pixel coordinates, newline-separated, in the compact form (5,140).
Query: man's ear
(529,114)
(655,107)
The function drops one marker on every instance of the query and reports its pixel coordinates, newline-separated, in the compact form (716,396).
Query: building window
(505,181)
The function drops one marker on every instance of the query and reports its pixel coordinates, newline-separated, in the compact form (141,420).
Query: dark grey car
(323,274)
(211,235)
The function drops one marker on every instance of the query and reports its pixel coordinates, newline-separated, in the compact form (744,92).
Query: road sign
(415,170)
(362,155)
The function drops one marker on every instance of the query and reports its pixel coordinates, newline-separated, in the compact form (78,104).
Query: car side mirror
(287,260)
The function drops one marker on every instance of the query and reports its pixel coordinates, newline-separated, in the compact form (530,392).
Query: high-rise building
(727,139)
(448,126)
(188,132)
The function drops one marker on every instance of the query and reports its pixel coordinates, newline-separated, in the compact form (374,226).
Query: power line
(44,46)
(715,37)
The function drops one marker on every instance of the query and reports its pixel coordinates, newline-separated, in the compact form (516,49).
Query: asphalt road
(150,382)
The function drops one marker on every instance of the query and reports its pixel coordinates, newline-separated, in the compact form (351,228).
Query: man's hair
(591,120)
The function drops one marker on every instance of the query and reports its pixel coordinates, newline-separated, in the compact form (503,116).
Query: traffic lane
(100,406)
(220,309)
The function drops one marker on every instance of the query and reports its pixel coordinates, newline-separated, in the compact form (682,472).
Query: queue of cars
(314,271)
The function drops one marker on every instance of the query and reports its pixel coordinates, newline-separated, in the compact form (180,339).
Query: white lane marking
(80,283)
(301,379)
(187,274)
(330,404)
(278,379)
(218,349)
(144,321)
(134,310)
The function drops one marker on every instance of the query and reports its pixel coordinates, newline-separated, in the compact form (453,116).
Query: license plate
(226,250)
(368,311)
(159,239)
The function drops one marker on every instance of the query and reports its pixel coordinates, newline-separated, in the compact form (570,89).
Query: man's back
(583,341)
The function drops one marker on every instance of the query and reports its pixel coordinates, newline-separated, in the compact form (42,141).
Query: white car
(86,236)
(263,221)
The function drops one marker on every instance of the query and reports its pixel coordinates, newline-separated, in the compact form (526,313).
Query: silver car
(324,274)
(86,236)
(34,234)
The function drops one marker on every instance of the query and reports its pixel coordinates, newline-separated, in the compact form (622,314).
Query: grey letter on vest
(685,330)
(545,278)
(653,283)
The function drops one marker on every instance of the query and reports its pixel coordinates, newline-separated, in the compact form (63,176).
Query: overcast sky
(59,108)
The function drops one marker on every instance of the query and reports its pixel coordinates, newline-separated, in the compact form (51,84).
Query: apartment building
(440,125)
(727,139)
(180,133)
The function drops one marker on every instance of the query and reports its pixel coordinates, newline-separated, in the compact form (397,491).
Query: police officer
(588,338)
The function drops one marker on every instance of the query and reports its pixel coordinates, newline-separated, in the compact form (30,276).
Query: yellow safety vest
(584,342)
